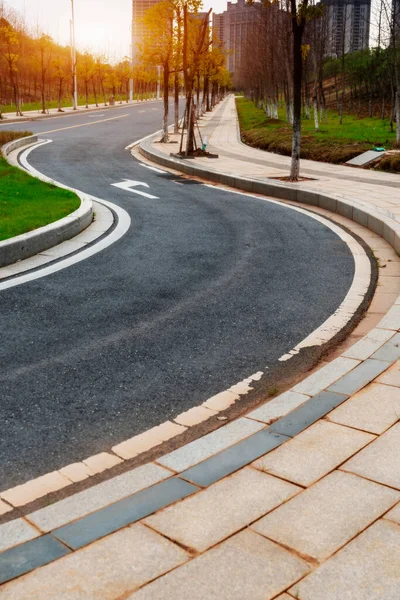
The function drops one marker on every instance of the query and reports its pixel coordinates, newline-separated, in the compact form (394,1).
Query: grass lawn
(333,143)
(67,102)
(27,203)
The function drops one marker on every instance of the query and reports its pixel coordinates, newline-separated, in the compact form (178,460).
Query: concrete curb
(383,223)
(43,238)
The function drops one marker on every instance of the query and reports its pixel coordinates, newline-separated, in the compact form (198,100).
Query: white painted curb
(43,238)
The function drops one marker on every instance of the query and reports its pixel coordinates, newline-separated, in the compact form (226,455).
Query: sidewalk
(299,498)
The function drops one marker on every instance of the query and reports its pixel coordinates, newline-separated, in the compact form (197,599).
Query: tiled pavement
(298,499)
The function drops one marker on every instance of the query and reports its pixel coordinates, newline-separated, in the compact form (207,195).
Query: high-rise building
(139,8)
(348,25)
(232,28)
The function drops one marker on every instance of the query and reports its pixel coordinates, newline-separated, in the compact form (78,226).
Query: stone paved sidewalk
(299,498)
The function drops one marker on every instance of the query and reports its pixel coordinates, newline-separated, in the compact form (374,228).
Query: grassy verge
(27,203)
(333,143)
(67,102)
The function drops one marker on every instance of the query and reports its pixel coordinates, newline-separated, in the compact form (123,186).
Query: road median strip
(51,234)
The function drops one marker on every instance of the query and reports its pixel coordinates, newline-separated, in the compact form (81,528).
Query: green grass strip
(333,142)
(27,203)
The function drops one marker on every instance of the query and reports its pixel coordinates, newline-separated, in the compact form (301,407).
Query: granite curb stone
(31,243)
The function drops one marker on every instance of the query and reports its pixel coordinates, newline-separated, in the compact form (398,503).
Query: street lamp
(73,57)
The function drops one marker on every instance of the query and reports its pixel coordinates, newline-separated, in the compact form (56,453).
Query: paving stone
(233,458)
(394,514)
(36,488)
(390,351)
(369,344)
(4,508)
(366,569)
(168,430)
(221,401)
(392,319)
(390,284)
(313,453)
(374,408)
(76,472)
(101,462)
(359,377)
(124,512)
(382,303)
(137,444)
(324,377)
(321,519)
(380,460)
(16,532)
(26,557)
(308,413)
(391,376)
(219,511)
(278,407)
(106,570)
(195,415)
(210,444)
(244,567)
(97,497)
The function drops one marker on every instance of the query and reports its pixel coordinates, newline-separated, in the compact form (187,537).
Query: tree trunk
(60,94)
(297,79)
(94,93)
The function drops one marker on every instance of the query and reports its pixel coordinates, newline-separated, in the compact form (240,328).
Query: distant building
(232,28)
(348,25)
(139,8)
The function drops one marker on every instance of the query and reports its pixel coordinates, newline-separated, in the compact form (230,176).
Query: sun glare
(94,36)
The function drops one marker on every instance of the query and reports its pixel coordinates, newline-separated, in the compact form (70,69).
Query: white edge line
(153,169)
(255,377)
(355,295)
(124,222)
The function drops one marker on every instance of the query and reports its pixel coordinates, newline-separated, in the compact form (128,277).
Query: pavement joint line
(206,401)
(215,455)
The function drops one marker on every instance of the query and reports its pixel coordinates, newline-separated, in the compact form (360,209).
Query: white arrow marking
(128,184)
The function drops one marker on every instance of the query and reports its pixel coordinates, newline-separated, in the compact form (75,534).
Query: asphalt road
(206,288)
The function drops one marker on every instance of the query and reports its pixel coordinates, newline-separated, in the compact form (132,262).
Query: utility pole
(73,57)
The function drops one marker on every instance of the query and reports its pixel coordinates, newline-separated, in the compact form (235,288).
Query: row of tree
(177,39)
(34,68)
(295,57)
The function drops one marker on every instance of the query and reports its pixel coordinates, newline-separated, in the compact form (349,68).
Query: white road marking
(83,124)
(124,222)
(128,184)
(153,169)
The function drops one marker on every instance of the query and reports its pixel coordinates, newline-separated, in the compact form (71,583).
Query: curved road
(206,288)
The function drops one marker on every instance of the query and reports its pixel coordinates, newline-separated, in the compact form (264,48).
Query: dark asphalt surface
(206,288)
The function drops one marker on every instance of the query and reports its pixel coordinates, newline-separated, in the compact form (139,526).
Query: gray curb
(31,243)
(382,222)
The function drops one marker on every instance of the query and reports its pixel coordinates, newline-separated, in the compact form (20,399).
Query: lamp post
(131,77)
(73,57)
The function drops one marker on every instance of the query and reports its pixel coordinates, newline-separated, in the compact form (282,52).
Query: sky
(101,26)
